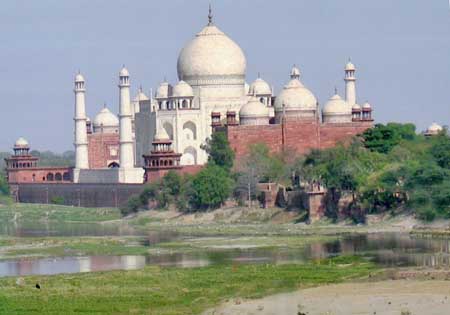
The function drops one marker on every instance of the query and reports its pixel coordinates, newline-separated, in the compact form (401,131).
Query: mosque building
(166,130)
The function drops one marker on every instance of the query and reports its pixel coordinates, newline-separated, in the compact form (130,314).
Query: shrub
(57,200)
(132,206)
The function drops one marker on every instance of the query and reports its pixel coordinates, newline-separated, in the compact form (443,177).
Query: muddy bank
(392,297)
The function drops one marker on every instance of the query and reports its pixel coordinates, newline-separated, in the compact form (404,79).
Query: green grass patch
(45,247)
(37,212)
(168,291)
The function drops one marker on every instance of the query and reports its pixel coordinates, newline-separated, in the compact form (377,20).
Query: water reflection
(55,228)
(391,250)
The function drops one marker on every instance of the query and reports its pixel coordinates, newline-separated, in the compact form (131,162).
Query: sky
(401,49)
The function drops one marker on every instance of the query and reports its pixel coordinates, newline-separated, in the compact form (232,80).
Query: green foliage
(440,150)
(133,204)
(4,187)
(57,200)
(210,188)
(382,138)
(48,158)
(219,150)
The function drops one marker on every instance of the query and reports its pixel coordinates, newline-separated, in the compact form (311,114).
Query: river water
(386,249)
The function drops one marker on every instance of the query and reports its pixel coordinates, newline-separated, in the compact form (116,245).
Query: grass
(38,212)
(69,246)
(168,291)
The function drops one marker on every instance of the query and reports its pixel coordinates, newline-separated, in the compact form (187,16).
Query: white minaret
(81,143)
(350,83)
(125,114)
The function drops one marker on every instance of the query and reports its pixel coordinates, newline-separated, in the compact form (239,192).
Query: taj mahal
(167,129)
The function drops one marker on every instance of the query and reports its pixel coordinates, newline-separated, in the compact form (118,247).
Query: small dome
(106,119)
(164,90)
(356,107)
(350,66)
(211,54)
(367,106)
(88,119)
(260,87)
(435,128)
(141,96)
(182,89)
(124,72)
(161,135)
(79,78)
(254,108)
(21,142)
(295,96)
(295,72)
(336,106)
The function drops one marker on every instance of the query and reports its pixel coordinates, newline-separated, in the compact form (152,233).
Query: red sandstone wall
(241,137)
(332,134)
(40,175)
(298,136)
(101,147)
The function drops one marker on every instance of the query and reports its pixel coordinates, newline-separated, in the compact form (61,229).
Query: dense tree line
(387,168)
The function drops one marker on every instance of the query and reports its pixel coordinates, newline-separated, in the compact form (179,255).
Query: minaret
(81,143)
(125,114)
(350,83)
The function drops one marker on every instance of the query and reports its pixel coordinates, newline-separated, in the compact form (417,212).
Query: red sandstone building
(22,167)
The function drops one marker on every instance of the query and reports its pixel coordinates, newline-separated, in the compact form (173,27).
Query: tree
(4,187)
(259,166)
(382,138)
(210,188)
(440,150)
(219,150)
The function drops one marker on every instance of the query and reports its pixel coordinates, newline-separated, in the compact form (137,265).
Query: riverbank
(405,297)
(168,291)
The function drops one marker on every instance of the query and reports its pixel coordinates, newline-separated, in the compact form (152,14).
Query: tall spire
(210,16)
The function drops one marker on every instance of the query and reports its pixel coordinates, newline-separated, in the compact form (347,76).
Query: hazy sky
(400,47)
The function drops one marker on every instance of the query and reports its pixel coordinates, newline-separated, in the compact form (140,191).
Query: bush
(132,206)
(426,214)
(57,200)
(210,188)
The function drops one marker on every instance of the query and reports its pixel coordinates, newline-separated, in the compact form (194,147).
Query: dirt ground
(393,297)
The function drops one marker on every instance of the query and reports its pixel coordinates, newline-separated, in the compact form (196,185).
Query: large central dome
(211,58)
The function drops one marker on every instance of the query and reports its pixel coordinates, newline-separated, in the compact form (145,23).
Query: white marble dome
(21,142)
(182,89)
(295,96)
(79,78)
(366,106)
(211,55)
(350,66)
(106,121)
(356,107)
(254,113)
(254,108)
(124,72)
(435,128)
(336,106)
(260,87)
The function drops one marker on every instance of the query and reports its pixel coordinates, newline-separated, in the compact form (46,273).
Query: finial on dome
(335,90)
(104,104)
(259,75)
(210,16)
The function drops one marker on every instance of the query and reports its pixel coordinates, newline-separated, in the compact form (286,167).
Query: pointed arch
(190,130)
